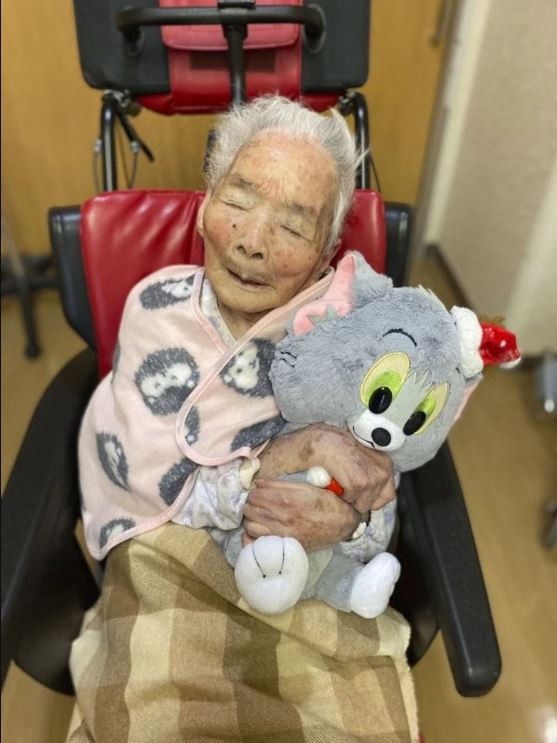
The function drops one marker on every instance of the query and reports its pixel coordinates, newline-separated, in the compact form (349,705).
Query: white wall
(532,309)
(492,199)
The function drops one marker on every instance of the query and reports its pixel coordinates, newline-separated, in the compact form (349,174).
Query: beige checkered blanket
(171,653)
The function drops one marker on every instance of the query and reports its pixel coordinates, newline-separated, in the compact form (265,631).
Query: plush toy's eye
(427,411)
(383,381)
(415,422)
(380,400)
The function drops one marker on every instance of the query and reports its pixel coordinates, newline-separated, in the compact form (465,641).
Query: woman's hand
(316,518)
(365,475)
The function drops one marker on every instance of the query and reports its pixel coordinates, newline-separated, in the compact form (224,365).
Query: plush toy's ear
(469,388)
(481,344)
(471,364)
(353,284)
(368,283)
(470,334)
(336,302)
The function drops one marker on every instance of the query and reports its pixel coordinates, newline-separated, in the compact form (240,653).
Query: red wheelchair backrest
(126,235)
(198,64)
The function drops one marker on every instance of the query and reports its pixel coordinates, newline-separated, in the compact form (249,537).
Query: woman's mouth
(247,281)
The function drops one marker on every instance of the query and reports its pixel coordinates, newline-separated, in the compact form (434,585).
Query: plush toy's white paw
(318,476)
(374,585)
(271,573)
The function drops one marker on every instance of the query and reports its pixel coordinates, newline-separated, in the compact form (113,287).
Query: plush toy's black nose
(381,436)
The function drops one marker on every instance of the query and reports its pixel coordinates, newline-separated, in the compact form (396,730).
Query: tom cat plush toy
(395,368)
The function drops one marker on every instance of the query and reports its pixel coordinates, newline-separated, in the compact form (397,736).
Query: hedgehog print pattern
(173,481)
(166,378)
(191,426)
(248,371)
(113,528)
(113,459)
(164,293)
(258,433)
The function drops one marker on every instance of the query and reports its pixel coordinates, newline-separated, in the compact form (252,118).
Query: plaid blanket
(171,653)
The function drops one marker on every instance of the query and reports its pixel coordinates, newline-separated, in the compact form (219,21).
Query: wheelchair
(103,248)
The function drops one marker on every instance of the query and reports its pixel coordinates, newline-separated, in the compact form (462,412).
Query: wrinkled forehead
(292,170)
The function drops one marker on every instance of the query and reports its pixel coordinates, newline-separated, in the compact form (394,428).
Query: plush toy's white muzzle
(376,431)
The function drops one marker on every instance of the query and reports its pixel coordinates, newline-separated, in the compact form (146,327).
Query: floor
(506,455)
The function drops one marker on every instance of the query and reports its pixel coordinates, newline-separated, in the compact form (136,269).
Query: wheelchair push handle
(235,13)
(234,16)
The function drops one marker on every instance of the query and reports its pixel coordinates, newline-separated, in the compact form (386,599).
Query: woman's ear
(335,250)
(201,213)
(326,260)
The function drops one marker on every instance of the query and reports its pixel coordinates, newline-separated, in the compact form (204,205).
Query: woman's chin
(242,309)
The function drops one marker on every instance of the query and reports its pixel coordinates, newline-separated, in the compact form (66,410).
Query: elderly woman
(173,439)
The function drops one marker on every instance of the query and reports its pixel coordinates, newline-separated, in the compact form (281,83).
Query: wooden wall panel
(50,121)
(401,89)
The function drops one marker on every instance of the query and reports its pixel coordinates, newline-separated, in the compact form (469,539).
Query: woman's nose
(253,238)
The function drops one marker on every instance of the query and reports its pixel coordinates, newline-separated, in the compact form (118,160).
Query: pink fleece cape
(136,440)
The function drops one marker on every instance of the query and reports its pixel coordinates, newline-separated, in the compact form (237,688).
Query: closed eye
(235,205)
(293,232)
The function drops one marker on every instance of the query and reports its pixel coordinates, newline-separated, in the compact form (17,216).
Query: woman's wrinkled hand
(316,518)
(365,475)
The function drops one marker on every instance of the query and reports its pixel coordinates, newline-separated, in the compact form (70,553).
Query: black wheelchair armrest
(399,220)
(65,240)
(46,583)
(441,564)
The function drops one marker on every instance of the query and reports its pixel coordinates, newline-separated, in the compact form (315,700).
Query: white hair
(245,123)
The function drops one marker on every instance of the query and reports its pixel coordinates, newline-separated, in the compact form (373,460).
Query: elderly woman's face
(265,227)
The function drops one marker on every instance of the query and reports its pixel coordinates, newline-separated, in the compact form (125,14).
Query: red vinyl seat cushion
(127,235)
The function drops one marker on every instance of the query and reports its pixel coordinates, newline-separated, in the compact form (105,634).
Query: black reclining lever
(117,106)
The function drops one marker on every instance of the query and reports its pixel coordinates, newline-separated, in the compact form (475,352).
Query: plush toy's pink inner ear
(336,302)
(467,394)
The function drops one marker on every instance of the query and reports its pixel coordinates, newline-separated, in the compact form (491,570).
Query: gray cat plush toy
(395,368)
